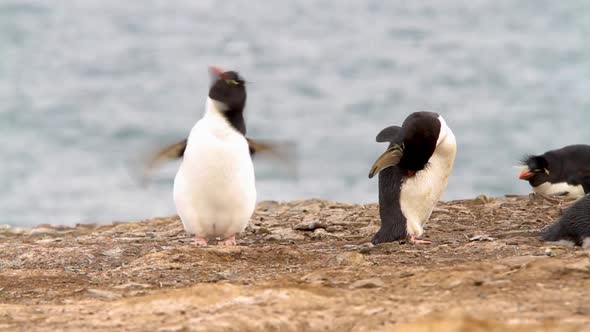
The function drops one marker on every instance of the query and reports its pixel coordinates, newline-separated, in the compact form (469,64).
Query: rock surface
(301,266)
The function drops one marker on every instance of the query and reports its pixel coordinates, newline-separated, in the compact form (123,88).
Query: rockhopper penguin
(214,189)
(413,174)
(564,171)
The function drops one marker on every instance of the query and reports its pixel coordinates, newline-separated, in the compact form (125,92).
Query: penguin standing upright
(413,174)
(214,189)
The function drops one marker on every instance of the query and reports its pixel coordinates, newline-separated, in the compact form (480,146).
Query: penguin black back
(570,164)
(393,221)
(229,89)
(574,224)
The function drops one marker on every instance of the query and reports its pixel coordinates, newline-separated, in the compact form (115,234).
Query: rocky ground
(301,266)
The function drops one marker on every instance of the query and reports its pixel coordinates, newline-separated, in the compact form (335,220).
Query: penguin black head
(412,144)
(228,91)
(228,88)
(421,131)
(537,171)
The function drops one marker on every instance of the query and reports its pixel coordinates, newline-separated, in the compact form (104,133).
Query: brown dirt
(149,276)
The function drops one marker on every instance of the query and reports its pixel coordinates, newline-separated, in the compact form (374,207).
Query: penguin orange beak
(526,175)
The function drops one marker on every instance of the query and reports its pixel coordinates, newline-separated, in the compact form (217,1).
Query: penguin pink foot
(229,241)
(200,241)
(414,240)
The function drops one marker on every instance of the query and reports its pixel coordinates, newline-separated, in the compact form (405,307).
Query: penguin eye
(232,82)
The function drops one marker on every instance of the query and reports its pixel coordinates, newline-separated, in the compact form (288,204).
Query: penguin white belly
(214,189)
(548,189)
(420,193)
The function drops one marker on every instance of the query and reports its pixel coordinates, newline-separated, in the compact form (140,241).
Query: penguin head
(412,145)
(227,89)
(422,132)
(536,170)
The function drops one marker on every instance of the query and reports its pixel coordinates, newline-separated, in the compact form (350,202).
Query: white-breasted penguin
(413,174)
(214,188)
(564,171)
(573,225)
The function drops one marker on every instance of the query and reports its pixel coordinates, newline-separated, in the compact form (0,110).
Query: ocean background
(89,87)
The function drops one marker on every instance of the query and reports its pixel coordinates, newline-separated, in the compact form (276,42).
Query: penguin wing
(261,147)
(389,158)
(283,151)
(170,152)
(388,134)
(176,150)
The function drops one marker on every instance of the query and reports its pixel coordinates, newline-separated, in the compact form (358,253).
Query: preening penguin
(413,174)
(564,171)
(214,188)
(574,224)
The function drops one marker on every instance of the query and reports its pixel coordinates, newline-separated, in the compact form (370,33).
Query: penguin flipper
(279,149)
(260,146)
(170,152)
(176,151)
(390,157)
(388,134)
(283,151)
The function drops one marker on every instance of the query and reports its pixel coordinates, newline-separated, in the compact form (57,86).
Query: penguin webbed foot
(414,240)
(383,237)
(200,241)
(228,241)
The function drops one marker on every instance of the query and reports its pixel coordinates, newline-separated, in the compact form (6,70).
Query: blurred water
(88,86)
